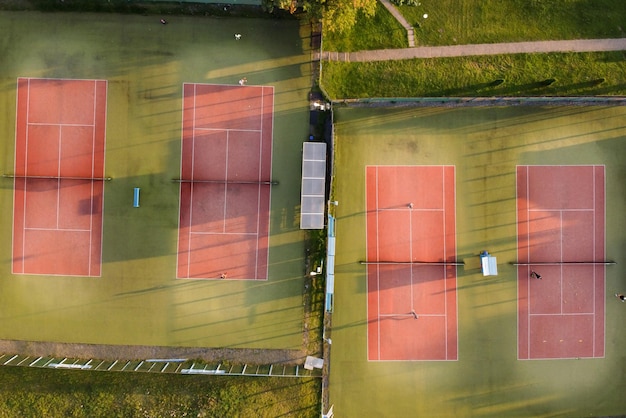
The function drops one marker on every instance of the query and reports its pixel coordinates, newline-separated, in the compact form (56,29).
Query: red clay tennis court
(561,236)
(411,269)
(59,177)
(225,182)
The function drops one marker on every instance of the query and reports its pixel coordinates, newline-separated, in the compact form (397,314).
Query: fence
(172,365)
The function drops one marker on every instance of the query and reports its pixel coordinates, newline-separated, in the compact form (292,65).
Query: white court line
(562,244)
(223,233)
(411,256)
(71,125)
(25,172)
(60,127)
(59,229)
(378,265)
(402,209)
(445,253)
(561,210)
(58,213)
(271,168)
(225,184)
(408,315)
(561,213)
(191,187)
(563,314)
(180,185)
(527,199)
(258,197)
(93,156)
(456,277)
(225,206)
(230,129)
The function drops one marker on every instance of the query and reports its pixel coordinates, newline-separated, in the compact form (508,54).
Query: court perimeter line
(557,263)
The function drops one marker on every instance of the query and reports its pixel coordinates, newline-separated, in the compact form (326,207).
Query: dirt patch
(135,352)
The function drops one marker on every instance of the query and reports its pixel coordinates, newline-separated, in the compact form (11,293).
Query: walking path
(577,45)
(410,33)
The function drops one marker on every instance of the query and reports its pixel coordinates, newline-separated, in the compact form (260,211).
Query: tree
(336,15)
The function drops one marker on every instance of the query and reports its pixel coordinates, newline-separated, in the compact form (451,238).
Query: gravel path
(139,352)
(577,45)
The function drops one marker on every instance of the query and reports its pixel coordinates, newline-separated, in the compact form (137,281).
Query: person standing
(620,297)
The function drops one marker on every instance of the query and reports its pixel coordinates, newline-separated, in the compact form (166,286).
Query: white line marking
(229,130)
(59,229)
(222,233)
(93,158)
(191,187)
(225,185)
(377,258)
(78,125)
(58,213)
(563,314)
(27,134)
(258,198)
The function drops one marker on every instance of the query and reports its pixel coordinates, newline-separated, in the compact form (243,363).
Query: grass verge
(55,393)
(574,74)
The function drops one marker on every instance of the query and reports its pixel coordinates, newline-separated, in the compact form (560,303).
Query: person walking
(535,275)
(620,297)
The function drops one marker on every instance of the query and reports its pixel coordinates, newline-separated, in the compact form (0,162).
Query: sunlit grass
(453,22)
(379,32)
(29,392)
(497,75)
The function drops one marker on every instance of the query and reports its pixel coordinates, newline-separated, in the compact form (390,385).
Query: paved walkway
(578,45)
(410,33)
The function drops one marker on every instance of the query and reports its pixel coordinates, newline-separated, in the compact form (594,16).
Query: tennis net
(421,263)
(21,177)
(251,182)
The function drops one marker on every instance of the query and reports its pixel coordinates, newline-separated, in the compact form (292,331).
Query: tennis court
(123,103)
(225,182)
(59,177)
(561,228)
(410,241)
(540,189)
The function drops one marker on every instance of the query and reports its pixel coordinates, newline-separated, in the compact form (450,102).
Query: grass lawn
(56,393)
(576,74)
(453,22)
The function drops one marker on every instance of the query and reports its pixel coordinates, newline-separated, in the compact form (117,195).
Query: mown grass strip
(459,22)
(555,74)
(453,22)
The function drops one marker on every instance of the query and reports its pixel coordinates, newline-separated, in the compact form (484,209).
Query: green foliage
(337,15)
(380,31)
(406,2)
(341,15)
